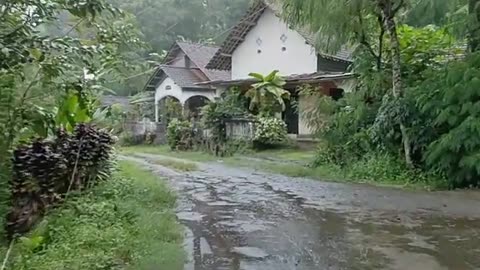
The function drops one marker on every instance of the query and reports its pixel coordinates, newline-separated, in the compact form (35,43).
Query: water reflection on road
(241,219)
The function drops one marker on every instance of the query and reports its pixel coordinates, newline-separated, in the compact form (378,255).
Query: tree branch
(400,5)
(380,41)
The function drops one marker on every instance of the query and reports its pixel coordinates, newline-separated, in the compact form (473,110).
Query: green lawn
(125,223)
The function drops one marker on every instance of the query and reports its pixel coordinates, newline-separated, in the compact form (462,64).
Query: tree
(341,26)
(474,25)
(52,80)
(268,93)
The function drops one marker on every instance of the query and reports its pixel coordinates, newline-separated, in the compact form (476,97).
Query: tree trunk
(474,23)
(397,76)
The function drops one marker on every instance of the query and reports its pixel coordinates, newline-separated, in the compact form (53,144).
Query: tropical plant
(180,135)
(267,94)
(450,98)
(349,22)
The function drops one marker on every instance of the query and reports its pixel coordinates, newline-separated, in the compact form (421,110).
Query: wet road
(241,219)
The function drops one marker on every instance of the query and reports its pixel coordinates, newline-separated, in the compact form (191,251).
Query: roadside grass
(125,223)
(332,173)
(294,163)
(165,151)
(287,154)
(177,165)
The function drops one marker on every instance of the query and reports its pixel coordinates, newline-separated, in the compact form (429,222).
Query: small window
(259,51)
(284,49)
(168,87)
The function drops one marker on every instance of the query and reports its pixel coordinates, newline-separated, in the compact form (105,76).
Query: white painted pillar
(156,111)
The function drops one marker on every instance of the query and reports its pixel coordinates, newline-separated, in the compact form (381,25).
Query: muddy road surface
(241,219)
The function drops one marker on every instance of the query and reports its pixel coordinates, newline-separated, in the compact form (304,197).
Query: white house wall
(298,57)
(305,103)
(175,91)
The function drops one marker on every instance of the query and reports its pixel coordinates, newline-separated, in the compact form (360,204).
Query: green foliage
(126,223)
(270,132)
(180,135)
(267,96)
(52,79)
(450,98)
(169,108)
(232,104)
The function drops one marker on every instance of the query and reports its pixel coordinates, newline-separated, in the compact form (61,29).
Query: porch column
(156,111)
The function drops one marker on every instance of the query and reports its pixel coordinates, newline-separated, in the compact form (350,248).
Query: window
(168,87)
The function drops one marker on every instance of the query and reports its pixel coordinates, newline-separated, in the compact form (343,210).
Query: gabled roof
(222,58)
(200,55)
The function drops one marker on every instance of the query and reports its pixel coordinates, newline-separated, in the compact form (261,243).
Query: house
(177,78)
(261,42)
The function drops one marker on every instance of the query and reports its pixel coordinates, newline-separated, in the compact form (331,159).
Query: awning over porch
(291,80)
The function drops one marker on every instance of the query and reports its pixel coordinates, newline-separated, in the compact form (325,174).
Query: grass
(125,223)
(165,151)
(358,173)
(177,165)
(372,170)
(287,154)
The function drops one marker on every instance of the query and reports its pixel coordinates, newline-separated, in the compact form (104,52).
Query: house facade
(261,42)
(177,78)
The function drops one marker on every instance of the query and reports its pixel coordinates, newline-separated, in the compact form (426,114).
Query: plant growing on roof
(267,95)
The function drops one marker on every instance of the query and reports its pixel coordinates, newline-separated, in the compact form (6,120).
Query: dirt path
(241,219)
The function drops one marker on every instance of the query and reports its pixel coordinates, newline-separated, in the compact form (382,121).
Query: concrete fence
(239,128)
(144,128)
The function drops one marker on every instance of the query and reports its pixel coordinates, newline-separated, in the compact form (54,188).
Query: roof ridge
(169,66)
(198,43)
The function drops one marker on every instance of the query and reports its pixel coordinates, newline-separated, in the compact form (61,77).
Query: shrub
(451,99)
(45,171)
(270,132)
(180,135)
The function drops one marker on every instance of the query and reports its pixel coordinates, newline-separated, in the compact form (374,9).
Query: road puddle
(237,219)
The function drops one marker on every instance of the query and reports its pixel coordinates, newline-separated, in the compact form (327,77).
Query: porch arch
(193,105)
(167,107)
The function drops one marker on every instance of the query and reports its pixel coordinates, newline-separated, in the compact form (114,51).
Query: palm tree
(267,93)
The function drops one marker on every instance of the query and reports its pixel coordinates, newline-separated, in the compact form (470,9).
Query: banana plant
(267,93)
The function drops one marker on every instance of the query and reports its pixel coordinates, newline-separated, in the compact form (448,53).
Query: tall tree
(474,25)
(343,25)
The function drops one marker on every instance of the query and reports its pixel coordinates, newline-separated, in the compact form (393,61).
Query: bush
(385,168)
(180,135)
(451,100)
(270,132)
(45,171)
